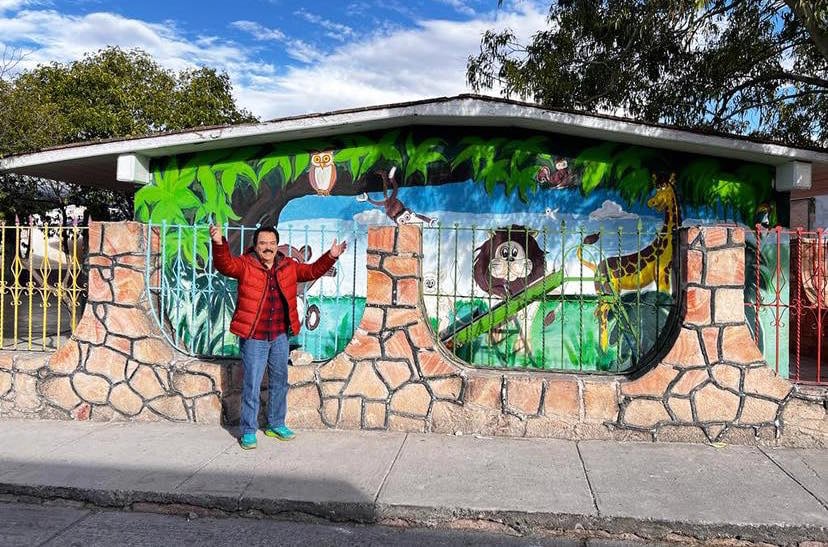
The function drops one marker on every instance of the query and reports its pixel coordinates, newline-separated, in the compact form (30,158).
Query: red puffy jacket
(252,278)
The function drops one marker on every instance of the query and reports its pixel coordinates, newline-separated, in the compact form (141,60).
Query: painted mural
(540,251)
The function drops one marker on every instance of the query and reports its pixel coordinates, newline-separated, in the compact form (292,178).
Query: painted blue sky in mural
(285,57)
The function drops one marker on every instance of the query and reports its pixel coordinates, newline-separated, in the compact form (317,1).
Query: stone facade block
(447,388)
(122,238)
(92,389)
(26,397)
(208,410)
(58,390)
(714,236)
(30,361)
(301,374)
(686,351)
(5,382)
(715,405)
(170,407)
(125,401)
(484,390)
(433,364)
(350,413)
(727,376)
(107,363)
(192,385)
(681,408)
(373,415)
(303,407)
(645,413)
(332,389)
(600,402)
(145,382)
(562,398)
(130,322)
(366,383)
(99,288)
(757,411)
(698,306)
(738,346)
(394,373)
(363,346)
(411,399)
(654,383)
(710,338)
(524,395)
(338,368)
(153,351)
(690,379)
(421,336)
(730,306)
(764,381)
(693,266)
(128,285)
(725,267)
(398,347)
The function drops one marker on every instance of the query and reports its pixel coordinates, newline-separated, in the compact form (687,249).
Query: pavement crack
(66,528)
(586,476)
(390,468)
(203,465)
(797,481)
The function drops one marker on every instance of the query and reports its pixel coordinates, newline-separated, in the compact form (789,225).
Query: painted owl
(322,174)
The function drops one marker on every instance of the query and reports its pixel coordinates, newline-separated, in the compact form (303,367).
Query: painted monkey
(394,208)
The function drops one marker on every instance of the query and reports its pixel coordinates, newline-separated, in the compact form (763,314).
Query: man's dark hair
(261,229)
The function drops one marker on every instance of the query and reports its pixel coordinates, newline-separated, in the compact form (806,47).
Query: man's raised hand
(215,234)
(338,248)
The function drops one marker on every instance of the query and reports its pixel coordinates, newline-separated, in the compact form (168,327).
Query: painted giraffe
(636,270)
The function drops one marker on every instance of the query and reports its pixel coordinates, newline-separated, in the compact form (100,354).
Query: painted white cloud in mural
(611,210)
(373,216)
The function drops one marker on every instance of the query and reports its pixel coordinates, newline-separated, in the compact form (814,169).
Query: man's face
(265,247)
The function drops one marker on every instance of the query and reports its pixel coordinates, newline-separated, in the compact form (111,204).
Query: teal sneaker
(248,441)
(283,433)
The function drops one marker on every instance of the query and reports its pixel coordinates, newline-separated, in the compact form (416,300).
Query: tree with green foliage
(110,94)
(754,67)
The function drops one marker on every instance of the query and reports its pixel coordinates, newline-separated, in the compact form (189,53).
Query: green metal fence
(566,299)
(194,304)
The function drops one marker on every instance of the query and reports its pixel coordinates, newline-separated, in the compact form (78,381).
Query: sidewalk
(523,485)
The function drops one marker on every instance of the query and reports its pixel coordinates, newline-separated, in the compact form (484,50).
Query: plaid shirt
(273,320)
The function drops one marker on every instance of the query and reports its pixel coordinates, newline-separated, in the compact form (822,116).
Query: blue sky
(285,57)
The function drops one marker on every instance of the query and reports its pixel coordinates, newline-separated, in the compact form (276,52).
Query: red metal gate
(787,300)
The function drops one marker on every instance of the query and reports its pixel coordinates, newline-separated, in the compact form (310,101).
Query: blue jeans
(255,354)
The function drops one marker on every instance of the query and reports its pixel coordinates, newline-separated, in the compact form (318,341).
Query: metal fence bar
(788,300)
(42,284)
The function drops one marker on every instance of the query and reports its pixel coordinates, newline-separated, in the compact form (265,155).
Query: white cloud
(334,30)
(460,7)
(426,59)
(611,210)
(259,32)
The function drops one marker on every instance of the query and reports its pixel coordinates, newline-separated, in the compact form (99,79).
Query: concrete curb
(512,522)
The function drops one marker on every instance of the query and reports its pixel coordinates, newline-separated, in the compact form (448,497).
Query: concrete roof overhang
(95,163)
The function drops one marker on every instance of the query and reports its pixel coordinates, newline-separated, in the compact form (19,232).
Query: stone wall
(712,384)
